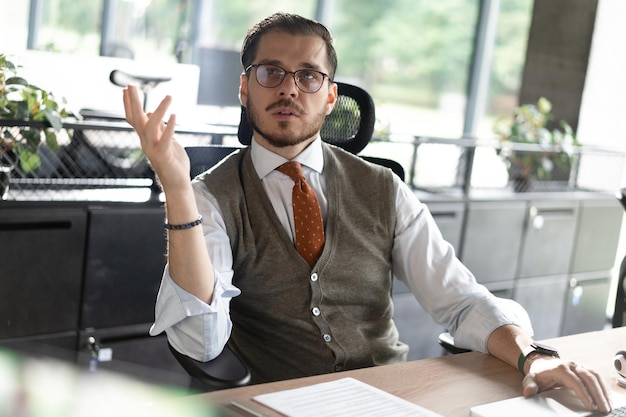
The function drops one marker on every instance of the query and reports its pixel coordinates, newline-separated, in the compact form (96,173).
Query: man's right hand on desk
(546,373)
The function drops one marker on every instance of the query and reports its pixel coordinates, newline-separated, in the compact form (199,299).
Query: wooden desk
(450,385)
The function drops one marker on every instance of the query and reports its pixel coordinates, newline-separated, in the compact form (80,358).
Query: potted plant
(40,115)
(550,151)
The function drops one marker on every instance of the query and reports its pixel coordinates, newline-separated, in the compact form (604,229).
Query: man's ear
(243,89)
(332,98)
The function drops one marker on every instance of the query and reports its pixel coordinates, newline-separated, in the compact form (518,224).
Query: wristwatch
(535,348)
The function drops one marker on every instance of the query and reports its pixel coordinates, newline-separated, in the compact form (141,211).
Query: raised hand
(167,157)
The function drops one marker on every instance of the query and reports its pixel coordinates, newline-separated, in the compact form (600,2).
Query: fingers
(133,110)
(590,386)
(149,126)
(529,385)
(587,384)
(154,122)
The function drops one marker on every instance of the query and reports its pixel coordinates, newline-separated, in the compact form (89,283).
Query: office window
(224,23)
(149,30)
(14,26)
(68,26)
(412,56)
(507,65)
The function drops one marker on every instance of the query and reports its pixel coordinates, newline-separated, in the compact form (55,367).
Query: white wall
(603,108)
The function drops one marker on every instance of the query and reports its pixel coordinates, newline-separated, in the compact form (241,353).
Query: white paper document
(342,398)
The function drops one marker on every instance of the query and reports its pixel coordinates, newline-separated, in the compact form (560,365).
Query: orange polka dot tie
(307,214)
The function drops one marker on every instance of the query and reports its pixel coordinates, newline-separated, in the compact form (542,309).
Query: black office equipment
(620,298)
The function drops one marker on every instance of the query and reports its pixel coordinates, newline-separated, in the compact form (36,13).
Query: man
(290,316)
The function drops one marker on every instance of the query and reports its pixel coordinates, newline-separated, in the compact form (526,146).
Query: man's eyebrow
(304,65)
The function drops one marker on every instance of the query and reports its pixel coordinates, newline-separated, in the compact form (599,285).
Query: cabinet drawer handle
(65,224)
(535,218)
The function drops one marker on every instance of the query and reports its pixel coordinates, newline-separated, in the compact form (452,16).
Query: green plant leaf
(33,138)
(544,105)
(54,118)
(51,140)
(20,100)
(16,81)
(29,161)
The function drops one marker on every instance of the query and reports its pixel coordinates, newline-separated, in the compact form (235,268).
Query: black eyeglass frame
(285,72)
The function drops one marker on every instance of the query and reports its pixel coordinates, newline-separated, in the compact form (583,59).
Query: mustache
(286,102)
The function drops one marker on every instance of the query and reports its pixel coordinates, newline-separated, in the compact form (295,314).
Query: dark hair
(292,24)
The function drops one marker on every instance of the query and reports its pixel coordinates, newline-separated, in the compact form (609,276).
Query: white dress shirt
(421,258)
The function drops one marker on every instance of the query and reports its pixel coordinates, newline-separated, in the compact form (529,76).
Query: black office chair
(619,313)
(350,126)
(446,341)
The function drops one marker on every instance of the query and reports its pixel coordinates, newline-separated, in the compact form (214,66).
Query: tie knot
(292,169)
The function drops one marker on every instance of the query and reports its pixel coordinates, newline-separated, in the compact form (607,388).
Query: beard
(283,136)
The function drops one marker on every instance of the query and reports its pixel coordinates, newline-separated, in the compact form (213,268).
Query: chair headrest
(350,125)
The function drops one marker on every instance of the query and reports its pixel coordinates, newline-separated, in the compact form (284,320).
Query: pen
(247,409)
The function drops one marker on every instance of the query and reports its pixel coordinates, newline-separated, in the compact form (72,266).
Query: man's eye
(274,72)
(308,75)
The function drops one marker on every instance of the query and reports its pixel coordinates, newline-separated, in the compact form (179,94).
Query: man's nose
(288,86)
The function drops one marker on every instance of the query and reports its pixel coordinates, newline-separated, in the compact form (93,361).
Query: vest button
(327,337)
(314,277)
(315,311)
(338,368)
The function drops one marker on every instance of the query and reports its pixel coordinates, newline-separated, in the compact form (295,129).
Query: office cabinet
(74,270)
(599,227)
(585,303)
(41,270)
(548,238)
(493,236)
(123,267)
(551,255)
(544,299)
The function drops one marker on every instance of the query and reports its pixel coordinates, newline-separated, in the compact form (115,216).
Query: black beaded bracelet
(184,226)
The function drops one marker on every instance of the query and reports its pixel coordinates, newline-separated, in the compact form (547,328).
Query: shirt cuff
(174,304)
(485,317)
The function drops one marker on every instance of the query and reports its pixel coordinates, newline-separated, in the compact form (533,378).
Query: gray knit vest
(290,320)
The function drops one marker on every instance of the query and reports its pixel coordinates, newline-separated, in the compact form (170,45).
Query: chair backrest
(204,157)
(349,126)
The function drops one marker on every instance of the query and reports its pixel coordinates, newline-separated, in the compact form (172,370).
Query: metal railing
(93,154)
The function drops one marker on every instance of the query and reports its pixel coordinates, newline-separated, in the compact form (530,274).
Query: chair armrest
(447,342)
(225,371)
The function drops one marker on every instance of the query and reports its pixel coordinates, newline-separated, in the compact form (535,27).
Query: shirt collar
(266,161)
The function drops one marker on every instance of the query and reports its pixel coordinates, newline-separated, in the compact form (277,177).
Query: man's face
(284,115)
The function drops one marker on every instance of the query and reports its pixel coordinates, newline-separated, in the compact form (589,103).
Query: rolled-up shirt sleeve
(443,286)
(193,327)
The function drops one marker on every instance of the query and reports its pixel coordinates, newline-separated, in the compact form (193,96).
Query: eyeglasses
(307,80)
